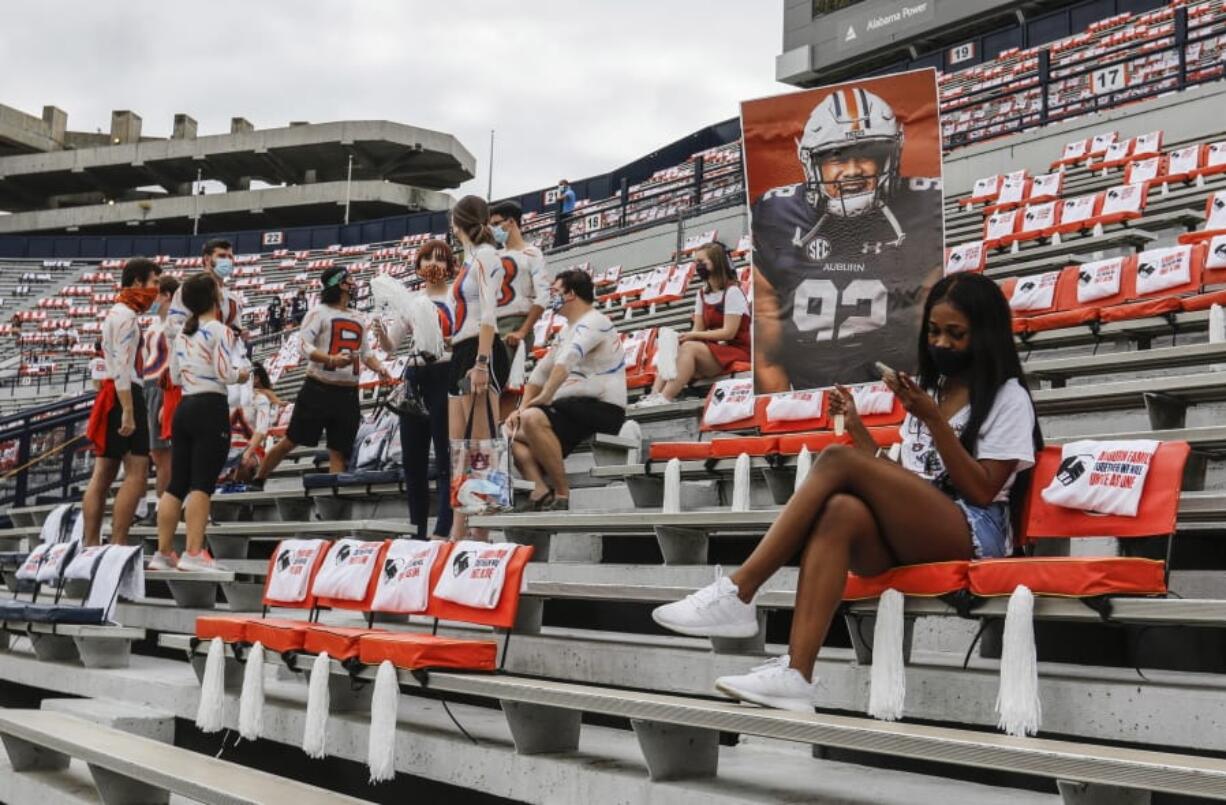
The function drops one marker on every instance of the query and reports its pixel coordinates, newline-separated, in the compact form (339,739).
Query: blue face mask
(555,302)
(500,235)
(223,267)
(153,309)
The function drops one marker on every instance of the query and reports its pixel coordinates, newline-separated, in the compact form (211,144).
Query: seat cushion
(341,642)
(230,628)
(791,443)
(927,580)
(64,613)
(411,651)
(1061,318)
(277,634)
(1075,577)
(750,445)
(1204,301)
(1141,309)
(686,451)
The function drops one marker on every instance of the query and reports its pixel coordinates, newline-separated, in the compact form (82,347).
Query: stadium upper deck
(53,180)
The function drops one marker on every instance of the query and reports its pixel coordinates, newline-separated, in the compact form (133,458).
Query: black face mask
(703,272)
(950,362)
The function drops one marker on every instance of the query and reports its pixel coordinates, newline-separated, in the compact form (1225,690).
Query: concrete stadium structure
(53,180)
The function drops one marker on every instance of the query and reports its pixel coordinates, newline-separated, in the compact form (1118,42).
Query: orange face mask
(139,299)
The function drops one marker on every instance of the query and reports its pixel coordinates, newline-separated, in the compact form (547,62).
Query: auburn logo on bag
(478,460)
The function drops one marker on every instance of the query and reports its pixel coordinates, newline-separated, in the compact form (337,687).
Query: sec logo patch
(818,249)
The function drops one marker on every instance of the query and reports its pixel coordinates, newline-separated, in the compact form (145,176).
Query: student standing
(207,357)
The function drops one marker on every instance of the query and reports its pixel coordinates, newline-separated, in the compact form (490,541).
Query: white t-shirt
(476,291)
(591,350)
(1007,434)
(333,331)
(735,303)
(208,360)
(176,316)
(399,327)
(121,347)
(156,351)
(527,278)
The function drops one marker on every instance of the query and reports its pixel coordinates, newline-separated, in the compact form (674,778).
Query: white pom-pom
(1217,330)
(212,688)
(422,316)
(1056,240)
(741,483)
(384,702)
(672,486)
(633,431)
(251,701)
(1018,702)
(1097,231)
(315,732)
(667,345)
(1200,180)
(804,462)
(515,380)
(888,678)
(1015,248)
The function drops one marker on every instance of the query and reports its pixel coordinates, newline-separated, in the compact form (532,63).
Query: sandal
(553,503)
(531,505)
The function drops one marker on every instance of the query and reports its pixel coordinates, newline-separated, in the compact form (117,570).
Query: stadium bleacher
(1113,254)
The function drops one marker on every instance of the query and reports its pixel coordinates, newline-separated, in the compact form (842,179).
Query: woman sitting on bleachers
(720,336)
(970,430)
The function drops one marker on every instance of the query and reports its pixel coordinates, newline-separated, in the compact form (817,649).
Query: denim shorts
(991,535)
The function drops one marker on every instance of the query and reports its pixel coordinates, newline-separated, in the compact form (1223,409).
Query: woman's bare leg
(892,494)
(845,537)
(694,359)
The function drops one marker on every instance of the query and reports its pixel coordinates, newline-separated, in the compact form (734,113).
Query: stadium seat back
(501,616)
(309,557)
(727,400)
(368,576)
(1155,516)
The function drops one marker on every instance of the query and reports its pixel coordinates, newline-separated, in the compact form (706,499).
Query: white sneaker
(772,684)
(713,611)
(651,401)
(163,561)
(196,563)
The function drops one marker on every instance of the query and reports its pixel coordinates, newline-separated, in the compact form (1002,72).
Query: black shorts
(464,357)
(322,407)
(199,443)
(575,419)
(138,443)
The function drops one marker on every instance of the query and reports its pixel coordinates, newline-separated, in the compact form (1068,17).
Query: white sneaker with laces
(713,611)
(200,562)
(162,561)
(772,684)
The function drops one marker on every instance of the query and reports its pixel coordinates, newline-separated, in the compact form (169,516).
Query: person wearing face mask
(527,276)
(429,377)
(156,380)
(118,424)
(217,259)
(721,333)
(566,206)
(576,391)
(968,442)
(333,340)
(207,359)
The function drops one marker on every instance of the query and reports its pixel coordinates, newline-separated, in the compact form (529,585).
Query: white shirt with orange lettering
(334,331)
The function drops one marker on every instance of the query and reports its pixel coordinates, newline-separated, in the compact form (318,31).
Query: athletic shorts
(153,400)
(199,444)
(323,407)
(576,419)
(138,443)
(464,357)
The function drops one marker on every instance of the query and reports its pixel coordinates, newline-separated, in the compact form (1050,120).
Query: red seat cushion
(791,443)
(1204,301)
(1141,309)
(277,634)
(736,367)
(686,451)
(230,628)
(1075,577)
(1061,318)
(411,651)
(752,445)
(341,642)
(927,580)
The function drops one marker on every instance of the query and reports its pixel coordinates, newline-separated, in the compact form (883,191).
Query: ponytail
(191,325)
(200,295)
(471,215)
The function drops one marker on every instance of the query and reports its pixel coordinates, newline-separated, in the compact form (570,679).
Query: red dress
(734,350)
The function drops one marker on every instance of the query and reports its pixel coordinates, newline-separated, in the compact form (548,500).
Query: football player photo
(848,228)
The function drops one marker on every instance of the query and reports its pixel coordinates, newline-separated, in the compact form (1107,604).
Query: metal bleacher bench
(130,769)
(679,735)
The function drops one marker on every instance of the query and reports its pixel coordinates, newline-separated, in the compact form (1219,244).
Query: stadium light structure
(348,187)
(196,195)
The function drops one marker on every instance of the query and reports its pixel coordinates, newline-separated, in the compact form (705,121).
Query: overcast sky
(573,88)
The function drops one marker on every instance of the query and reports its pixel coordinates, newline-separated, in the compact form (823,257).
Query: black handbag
(403,400)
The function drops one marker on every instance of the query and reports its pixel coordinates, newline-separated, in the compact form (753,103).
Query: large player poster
(844,188)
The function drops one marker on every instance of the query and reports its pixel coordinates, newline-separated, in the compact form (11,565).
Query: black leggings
(416,434)
(199,444)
